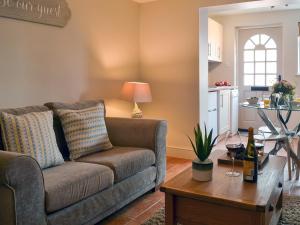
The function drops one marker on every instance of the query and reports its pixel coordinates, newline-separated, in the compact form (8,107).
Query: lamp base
(137,112)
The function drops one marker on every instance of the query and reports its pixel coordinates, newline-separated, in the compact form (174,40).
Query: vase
(279,99)
(202,170)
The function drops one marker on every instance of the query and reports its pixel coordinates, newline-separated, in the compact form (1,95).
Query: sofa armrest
(22,191)
(144,133)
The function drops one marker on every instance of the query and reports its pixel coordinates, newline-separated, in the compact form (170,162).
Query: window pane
(249,45)
(260,67)
(249,68)
(259,80)
(255,39)
(271,79)
(249,56)
(248,80)
(271,44)
(271,55)
(272,67)
(263,39)
(260,55)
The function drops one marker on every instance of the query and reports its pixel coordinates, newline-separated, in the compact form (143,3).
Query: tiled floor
(145,207)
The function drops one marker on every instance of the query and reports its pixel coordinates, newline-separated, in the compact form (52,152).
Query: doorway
(259,63)
(230,64)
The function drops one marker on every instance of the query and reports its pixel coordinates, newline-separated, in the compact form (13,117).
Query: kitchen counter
(214,88)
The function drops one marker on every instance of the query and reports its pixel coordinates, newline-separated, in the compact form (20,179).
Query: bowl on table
(252,100)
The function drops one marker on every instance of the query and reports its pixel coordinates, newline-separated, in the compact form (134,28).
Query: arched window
(260,61)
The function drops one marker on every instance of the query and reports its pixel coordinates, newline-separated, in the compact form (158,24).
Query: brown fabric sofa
(93,187)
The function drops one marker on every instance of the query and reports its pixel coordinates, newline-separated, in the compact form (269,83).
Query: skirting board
(180,153)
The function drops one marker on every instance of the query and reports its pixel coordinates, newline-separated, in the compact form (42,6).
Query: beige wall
(169,61)
(105,43)
(89,58)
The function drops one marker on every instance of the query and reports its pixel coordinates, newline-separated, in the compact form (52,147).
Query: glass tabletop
(294,106)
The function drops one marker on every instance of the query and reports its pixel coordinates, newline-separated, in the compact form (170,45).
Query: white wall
(289,22)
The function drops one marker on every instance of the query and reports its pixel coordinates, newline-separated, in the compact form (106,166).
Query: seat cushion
(73,181)
(124,161)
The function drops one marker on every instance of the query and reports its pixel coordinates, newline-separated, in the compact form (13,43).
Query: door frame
(203,42)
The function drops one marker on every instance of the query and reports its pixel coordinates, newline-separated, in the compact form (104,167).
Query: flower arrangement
(284,87)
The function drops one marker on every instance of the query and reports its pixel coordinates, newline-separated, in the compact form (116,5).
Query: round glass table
(282,119)
(283,135)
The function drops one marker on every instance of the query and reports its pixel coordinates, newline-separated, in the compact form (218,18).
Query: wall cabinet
(215,41)
(224,111)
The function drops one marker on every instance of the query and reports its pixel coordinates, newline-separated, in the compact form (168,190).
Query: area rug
(290,215)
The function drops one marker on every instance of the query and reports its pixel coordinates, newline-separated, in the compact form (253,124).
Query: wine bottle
(279,78)
(250,168)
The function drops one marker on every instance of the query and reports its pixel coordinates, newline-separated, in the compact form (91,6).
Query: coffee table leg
(170,217)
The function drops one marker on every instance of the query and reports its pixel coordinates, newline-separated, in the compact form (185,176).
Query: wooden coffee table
(226,200)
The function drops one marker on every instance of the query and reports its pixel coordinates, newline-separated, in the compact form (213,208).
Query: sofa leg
(157,187)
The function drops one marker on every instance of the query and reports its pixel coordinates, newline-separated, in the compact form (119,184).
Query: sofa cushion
(31,134)
(99,206)
(21,111)
(73,181)
(85,130)
(60,138)
(124,161)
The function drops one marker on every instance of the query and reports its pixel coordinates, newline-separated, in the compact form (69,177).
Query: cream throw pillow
(85,130)
(31,134)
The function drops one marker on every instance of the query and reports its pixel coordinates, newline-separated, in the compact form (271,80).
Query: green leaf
(209,148)
(200,148)
(214,141)
(196,139)
(203,144)
(194,148)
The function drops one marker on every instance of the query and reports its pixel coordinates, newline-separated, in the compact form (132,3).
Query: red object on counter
(223,83)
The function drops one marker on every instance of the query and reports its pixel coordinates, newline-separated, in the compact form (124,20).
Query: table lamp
(136,92)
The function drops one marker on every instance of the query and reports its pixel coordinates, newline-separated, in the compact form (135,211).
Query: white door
(224,113)
(259,64)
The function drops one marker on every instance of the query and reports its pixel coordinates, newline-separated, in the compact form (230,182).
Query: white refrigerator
(234,111)
(212,122)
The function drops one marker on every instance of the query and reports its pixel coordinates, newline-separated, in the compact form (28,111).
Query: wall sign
(51,12)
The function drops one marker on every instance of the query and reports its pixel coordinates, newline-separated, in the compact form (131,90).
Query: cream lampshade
(136,92)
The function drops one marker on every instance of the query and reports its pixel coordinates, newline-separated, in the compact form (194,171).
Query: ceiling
(143,1)
(292,5)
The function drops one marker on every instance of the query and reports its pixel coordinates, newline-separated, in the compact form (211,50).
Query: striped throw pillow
(31,134)
(85,130)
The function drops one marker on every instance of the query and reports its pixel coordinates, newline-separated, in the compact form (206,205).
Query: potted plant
(202,166)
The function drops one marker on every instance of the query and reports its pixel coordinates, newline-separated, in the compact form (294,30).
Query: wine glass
(233,144)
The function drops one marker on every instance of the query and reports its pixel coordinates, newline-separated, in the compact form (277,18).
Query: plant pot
(202,170)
